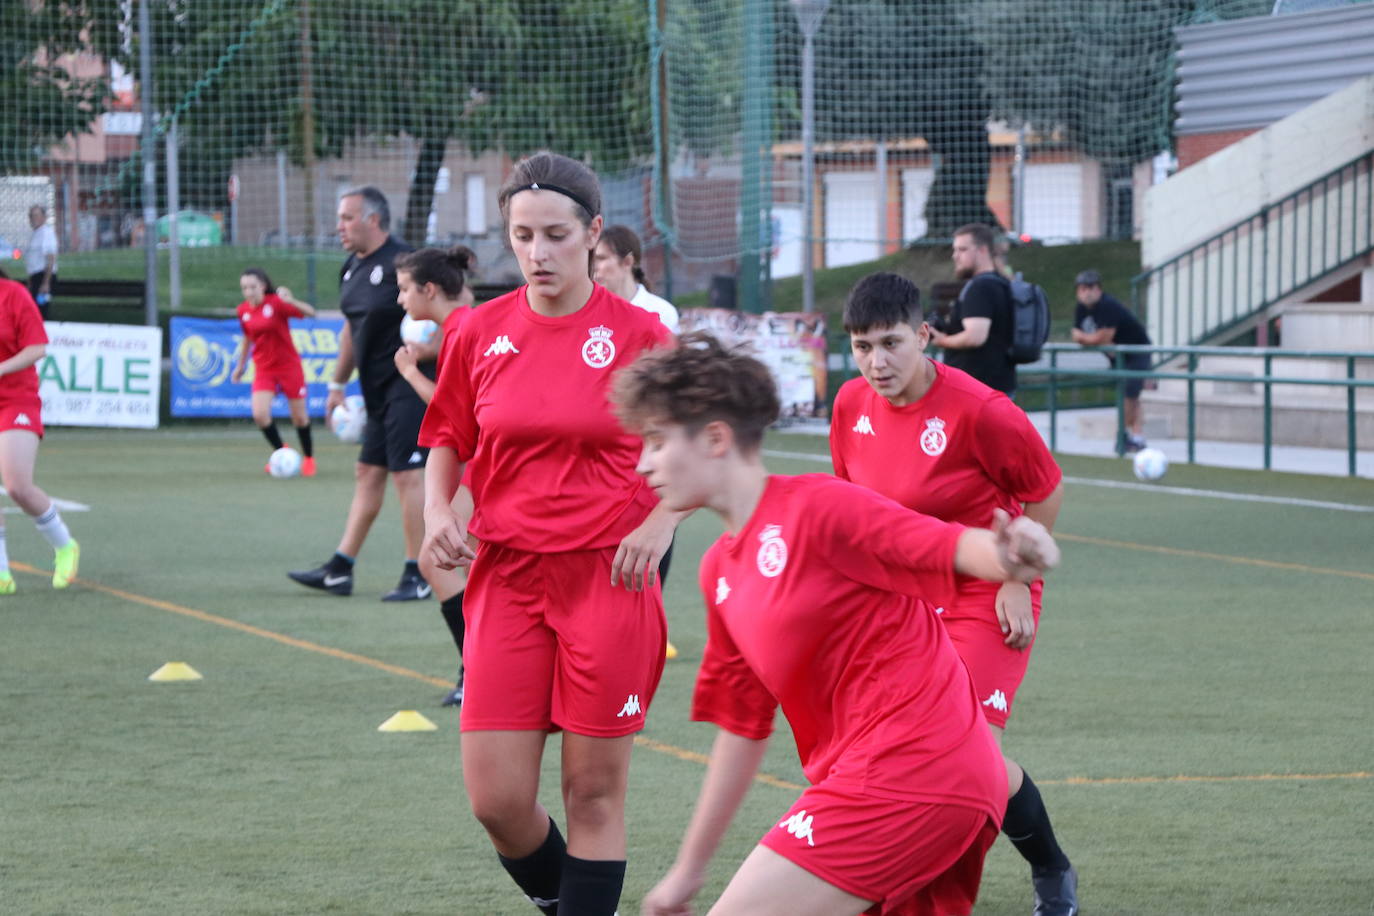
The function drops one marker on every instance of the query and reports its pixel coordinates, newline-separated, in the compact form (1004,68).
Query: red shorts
(550,644)
(24,413)
(912,858)
(289,380)
(996,668)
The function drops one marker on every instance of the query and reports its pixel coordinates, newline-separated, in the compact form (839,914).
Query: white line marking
(1146,487)
(66,505)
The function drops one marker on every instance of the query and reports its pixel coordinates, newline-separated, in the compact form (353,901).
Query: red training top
(21,325)
(823,602)
(268,333)
(525,398)
(449,330)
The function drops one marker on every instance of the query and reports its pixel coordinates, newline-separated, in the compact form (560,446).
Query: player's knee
(593,800)
(502,813)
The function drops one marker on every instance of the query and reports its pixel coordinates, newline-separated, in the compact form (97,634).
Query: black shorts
(1141,362)
(390,439)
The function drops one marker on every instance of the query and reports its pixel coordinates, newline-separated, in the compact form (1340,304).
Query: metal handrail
(1119,374)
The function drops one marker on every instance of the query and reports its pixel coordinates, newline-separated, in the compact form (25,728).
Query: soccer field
(1195,713)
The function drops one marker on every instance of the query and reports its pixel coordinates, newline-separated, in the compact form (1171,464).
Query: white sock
(4,553)
(53,529)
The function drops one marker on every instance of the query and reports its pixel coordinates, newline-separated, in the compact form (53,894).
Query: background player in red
(552,641)
(433,287)
(264,314)
(907,784)
(937,440)
(23,341)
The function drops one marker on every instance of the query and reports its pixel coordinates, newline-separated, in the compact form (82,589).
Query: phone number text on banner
(101,375)
(204,352)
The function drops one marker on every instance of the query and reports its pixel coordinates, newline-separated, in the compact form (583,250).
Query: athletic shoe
(267,469)
(1131,444)
(455,696)
(6,583)
(1056,891)
(65,563)
(671,651)
(412,587)
(307,467)
(325,578)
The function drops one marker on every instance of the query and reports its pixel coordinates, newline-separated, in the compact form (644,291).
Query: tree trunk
(421,198)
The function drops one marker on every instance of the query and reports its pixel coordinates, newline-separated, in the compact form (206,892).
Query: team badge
(598,351)
(376,275)
(934,440)
(348,275)
(267,311)
(772,552)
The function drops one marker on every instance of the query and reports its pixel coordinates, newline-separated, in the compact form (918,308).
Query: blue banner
(204,351)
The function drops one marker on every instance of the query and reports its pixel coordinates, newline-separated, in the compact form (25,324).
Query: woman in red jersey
(820,599)
(940,442)
(565,626)
(433,287)
(23,342)
(263,314)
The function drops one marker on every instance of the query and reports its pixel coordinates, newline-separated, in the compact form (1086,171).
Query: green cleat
(64,565)
(6,583)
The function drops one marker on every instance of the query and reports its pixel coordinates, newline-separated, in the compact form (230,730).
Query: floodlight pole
(809,15)
(148,150)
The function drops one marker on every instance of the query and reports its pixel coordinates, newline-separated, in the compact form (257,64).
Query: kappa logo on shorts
(22,420)
(631,708)
(415,458)
(722,590)
(598,350)
(997,701)
(799,825)
(934,439)
(501,346)
(772,558)
(864,427)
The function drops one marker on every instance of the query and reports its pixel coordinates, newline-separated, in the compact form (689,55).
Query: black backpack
(1030,324)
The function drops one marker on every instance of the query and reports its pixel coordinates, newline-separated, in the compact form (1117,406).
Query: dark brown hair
(882,300)
(446,269)
(697,382)
(559,172)
(261,274)
(983,236)
(624,242)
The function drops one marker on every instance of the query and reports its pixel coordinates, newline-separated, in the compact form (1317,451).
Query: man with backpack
(978,337)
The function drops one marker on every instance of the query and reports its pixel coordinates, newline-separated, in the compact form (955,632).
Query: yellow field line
(1204,555)
(658,747)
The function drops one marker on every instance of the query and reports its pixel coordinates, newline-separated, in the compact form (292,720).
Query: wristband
(337,386)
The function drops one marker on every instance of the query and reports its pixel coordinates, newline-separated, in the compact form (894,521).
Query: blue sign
(204,351)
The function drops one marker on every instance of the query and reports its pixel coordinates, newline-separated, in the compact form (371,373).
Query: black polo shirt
(367,297)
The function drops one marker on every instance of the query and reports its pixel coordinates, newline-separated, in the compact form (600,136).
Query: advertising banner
(101,375)
(792,344)
(204,351)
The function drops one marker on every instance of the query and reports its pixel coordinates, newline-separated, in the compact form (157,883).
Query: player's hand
(1014,614)
(405,358)
(284,294)
(334,399)
(446,539)
(1025,549)
(637,558)
(673,895)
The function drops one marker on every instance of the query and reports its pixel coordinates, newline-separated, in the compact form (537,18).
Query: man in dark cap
(1100,320)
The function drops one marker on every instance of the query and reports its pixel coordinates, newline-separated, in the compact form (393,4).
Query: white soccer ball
(285,462)
(349,419)
(417,332)
(1150,464)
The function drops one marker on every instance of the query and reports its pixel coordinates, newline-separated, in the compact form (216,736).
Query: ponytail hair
(445,268)
(625,243)
(267,287)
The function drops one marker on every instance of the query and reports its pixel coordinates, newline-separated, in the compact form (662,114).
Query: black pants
(35,284)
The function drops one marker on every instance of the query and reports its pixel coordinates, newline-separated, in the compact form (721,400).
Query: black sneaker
(326,578)
(1056,891)
(412,587)
(455,697)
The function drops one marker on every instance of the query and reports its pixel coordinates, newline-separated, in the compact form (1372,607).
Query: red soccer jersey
(525,399)
(820,603)
(269,334)
(959,452)
(449,329)
(21,325)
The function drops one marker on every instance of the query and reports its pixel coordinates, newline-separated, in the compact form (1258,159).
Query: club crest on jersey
(376,275)
(772,557)
(599,350)
(267,311)
(934,439)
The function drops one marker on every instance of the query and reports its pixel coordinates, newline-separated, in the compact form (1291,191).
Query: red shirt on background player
(940,442)
(819,599)
(264,314)
(551,642)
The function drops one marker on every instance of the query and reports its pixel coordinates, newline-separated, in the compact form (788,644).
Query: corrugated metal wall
(1251,72)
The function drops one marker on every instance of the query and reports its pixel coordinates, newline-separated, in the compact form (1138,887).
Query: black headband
(541,186)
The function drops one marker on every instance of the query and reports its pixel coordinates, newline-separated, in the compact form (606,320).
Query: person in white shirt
(616,266)
(40,258)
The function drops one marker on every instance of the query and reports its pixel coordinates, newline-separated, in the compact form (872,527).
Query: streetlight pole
(809,15)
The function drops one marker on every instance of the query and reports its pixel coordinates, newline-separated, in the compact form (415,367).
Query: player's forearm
(443,473)
(1046,512)
(23,359)
(1098,338)
(420,382)
(976,555)
(734,762)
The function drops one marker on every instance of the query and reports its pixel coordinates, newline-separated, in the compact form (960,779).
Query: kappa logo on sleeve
(722,590)
(501,346)
(864,427)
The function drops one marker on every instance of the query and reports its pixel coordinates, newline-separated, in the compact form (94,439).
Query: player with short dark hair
(1100,320)
(371,336)
(978,336)
(940,442)
(263,315)
(906,783)
(552,641)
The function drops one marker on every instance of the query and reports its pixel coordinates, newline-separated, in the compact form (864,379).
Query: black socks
(591,888)
(307,444)
(540,873)
(452,609)
(339,563)
(1027,825)
(269,432)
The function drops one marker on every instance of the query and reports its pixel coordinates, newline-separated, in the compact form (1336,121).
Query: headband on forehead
(541,186)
